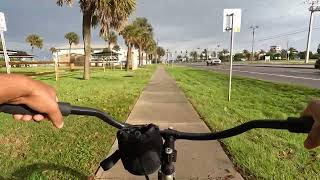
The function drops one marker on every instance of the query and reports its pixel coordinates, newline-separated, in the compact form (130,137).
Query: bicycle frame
(169,153)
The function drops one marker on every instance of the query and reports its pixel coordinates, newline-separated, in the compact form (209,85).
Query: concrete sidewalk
(164,104)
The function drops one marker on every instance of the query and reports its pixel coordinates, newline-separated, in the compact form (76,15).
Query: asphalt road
(299,76)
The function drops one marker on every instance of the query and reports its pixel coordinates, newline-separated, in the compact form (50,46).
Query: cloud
(179,24)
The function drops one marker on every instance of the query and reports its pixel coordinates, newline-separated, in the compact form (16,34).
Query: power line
(286,34)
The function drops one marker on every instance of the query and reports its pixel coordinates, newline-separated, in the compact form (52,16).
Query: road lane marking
(279,75)
(269,74)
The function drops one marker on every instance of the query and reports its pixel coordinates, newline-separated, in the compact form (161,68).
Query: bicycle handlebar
(295,125)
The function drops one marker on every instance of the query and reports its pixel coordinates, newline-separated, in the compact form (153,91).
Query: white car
(214,61)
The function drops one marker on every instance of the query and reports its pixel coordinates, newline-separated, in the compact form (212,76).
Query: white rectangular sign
(3,26)
(236,19)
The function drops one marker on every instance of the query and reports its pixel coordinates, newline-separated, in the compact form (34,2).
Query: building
(276,48)
(17,55)
(99,53)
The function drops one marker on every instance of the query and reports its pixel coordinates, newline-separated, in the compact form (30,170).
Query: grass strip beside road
(261,154)
(39,151)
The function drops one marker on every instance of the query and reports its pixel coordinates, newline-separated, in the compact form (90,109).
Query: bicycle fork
(169,153)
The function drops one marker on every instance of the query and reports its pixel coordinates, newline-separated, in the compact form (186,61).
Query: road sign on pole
(227,20)
(3,28)
(231,22)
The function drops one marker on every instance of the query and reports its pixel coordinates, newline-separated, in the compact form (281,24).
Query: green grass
(39,151)
(263,154)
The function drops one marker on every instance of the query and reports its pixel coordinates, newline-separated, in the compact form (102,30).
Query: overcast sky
(179,24)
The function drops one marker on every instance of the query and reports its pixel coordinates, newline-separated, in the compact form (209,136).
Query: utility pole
(313,8)
(253,32)
(288,52)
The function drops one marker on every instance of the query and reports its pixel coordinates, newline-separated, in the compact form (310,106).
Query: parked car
(213,61)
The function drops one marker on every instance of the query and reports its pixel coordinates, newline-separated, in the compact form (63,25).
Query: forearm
(13,87)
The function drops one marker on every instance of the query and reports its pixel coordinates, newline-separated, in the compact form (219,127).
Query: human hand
(16,89)
(313,110)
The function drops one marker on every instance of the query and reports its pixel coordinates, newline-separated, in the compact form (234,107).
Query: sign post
(231,22)
(3,28)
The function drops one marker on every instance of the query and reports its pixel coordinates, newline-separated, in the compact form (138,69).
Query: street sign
(236,20)
(3,26)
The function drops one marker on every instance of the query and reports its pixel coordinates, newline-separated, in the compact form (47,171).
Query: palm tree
(53,50)
(110,14)
(116,48)
(151,47)
(35,41)
(111,38)
(129,34)
(72,38)
(143,34)
(160,52)
(194,55)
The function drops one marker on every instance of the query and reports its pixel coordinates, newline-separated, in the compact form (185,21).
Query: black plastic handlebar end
(65,109)
(300,125)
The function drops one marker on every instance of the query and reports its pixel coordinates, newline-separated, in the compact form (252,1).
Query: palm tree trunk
(140,55)
(146,58)
(86,31)
(128,57)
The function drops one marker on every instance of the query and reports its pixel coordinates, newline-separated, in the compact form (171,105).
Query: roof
(105,52)
(81,46)
(17,54)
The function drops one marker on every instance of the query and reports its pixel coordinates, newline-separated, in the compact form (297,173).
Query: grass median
(261,154)
(39,151)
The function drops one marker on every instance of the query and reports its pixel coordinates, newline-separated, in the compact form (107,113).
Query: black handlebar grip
(65,109)
(300,125)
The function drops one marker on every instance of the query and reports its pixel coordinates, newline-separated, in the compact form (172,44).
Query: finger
(38,117)
(56,118)
(313,139)
(17,116)
(26,118)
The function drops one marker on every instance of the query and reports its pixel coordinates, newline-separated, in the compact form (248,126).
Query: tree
(194,55)
(144,32)
(302,54)
(160,52)
(262,51)
(111,38)
(129,34)
(35,41)
(151,48)
(225,51)
(72,38)
(110,14)
(116,48)
(53,50)
(246,54)
(1,47)
(293,53)
(284,54)
(239,56)
(273,50)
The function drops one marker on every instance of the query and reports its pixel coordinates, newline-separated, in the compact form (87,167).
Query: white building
(276,48)
(78,50)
